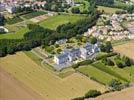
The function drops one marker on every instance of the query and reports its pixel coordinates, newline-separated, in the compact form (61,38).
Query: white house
(11,9)
(86,51)
(61,59)
(70,2)
(62,41)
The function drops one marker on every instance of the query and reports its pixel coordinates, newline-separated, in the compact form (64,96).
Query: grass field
(45,83)
(126,49)
(99,75)
(55,21)
(108,9)
(104,74)
(109,71)
(125,72)
(16,35)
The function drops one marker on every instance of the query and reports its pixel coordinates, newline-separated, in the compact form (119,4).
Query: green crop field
(55,21)
(108,70)
(99,75)
(127,72)
(108,9)
(104,74)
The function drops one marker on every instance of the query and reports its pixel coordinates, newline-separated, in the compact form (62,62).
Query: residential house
(62,41)
(11,8)
(86,51)
(2,7)
(61,59)
(70,2)
(74,54)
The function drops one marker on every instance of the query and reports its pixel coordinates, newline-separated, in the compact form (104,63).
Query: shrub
(119,63)
(75,10)
(110,62)
(93,40)
(115,84)
(92,93)
(99,57)
(127,61)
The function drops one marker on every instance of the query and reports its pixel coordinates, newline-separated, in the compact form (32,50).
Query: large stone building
(85,52)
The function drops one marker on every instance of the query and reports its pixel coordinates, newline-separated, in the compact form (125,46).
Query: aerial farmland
(66,49)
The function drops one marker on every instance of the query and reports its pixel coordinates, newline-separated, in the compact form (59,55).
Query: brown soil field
(39,18)
(126,94)
(126,49)
(44,82)
(12,89)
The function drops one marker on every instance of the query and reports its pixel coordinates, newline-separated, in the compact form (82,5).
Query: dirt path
(126,94)
(12,89)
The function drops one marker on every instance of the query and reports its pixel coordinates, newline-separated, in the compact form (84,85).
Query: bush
(99,57)
(107,47)
(110,62)
(75,10)
(92,93)
(115,85)
(93,40)
(119,63)
(127,61)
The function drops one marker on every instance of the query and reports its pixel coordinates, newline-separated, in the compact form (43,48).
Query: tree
(108,47)
(75,10)
(126,60)
(59,51)
(102,48)
(110,62)
(119,63)
(93,40)
(92,93)
(2,20)
(115,84)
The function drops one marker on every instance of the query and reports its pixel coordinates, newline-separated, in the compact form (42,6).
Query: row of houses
(113,30)
(85,52)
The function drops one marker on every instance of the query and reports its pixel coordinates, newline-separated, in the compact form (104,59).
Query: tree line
(38,36)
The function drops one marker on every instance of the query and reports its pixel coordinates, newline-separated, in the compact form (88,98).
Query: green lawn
(108,9)
(110,71)
(16,35)
(104,74)
(55,21)
(99,75)
(125,72)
